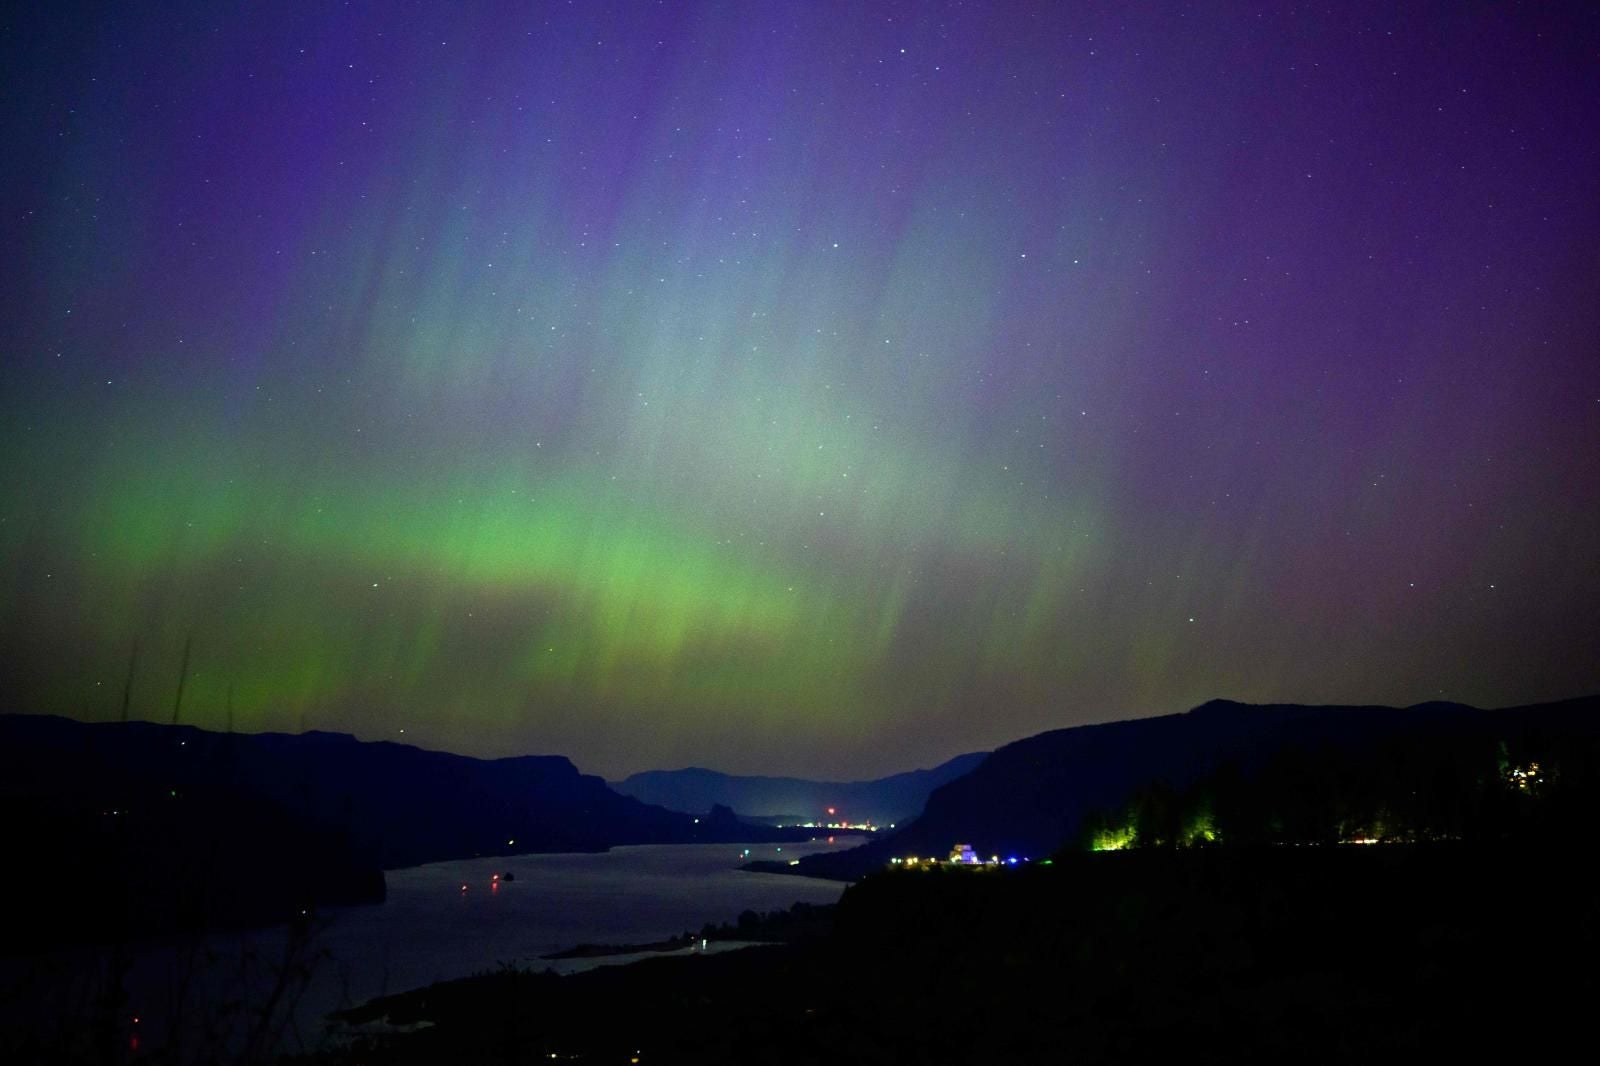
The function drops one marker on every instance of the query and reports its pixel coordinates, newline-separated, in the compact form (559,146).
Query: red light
(830,810)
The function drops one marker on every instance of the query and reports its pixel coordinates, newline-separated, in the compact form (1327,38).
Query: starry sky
(817,388)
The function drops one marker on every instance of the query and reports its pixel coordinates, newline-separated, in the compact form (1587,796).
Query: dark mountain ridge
(137,827)
(401,804)
(1030,797)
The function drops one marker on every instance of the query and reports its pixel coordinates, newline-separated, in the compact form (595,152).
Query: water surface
(428,930)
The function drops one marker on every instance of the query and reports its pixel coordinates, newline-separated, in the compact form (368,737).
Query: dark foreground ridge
(1341,954)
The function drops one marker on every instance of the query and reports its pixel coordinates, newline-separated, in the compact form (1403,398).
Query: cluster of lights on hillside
(1524,778)
(961,856)
(860,827)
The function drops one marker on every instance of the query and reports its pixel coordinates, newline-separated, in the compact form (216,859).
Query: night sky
(794,387)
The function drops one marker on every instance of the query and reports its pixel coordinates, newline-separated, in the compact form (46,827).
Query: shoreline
(602,951)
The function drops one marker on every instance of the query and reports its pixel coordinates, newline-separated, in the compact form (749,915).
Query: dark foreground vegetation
(1478,780)
(1289,954)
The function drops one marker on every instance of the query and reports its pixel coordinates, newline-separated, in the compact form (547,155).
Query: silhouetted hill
(189,827)
(881,801)
(110,837)
(1030,797)
(415,806)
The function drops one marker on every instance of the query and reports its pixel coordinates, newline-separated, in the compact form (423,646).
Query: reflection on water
(430,929)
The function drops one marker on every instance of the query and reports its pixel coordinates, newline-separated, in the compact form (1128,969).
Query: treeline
(1468,784)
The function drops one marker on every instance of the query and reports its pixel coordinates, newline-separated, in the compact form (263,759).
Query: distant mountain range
(882,801)
(1030,798)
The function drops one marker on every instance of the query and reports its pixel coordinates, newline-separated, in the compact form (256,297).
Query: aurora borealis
(822,389)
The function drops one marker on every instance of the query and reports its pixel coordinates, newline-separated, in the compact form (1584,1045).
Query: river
(429,929)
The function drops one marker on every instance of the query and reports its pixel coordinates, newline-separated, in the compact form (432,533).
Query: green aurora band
(810,391)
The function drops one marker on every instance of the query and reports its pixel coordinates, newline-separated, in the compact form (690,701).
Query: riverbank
(801,921)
